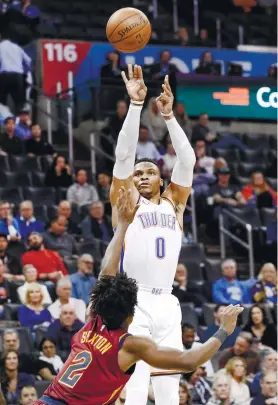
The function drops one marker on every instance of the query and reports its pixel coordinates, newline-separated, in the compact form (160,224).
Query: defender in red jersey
(103,354)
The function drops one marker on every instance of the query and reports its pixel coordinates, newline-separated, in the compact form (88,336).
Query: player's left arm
(179,189)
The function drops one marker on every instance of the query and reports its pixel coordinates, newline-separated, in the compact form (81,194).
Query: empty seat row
(248,156)
(21,179)
(25,163)
(255,141)
(47,195)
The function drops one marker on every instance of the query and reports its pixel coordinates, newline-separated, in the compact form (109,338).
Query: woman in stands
(34,314)
(260,327)
(259,193)
(153,120)
(59,175)
(236,368)
(48,354)
(265,289)
(185,397)
(12,381)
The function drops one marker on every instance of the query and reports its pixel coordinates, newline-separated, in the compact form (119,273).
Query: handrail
(225,232)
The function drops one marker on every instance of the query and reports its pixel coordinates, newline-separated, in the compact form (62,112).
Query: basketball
(128,30)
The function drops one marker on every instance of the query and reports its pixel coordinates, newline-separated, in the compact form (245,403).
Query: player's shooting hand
(228,318)
(124,206)
(165,100)
(135,84)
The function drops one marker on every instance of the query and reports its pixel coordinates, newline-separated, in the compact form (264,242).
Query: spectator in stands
(258,325)
(34,314)
(28,363)
(48,353)
(8,225)
(259,193)
(64,292)
(183,36)
(12,379)
(96,225)
(14,64)
(83,280)
(181,290)
(112,69)
(265,289)
(4,289)
(11,262)
(30,10)
(48,263)
(26,220)
(10,143)
(221,390)
(184,394)
(188,340)
(183,119)
(211,329)
(64,209)
(103,186)
(228,289)
(204,40)
(31,276)
(23,128)
(59,175)
(63,329)
(36,146)
(237,369)
(56,237)
(153,120)
(82,193)
(205,162)
(115,122)
(207,66)
(269,390)
(270,363)
(165,67)
(28,395)
(145,147)
(199,387)
(169,161)
(242,349)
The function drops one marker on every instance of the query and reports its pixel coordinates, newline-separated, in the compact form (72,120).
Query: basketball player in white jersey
(153,240)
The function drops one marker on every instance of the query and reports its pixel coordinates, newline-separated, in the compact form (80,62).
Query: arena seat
(189,315)
(77,19)
(11,312)
(195,271)
(11,194)
(39,335)
(46,162)
(268,215)
(40,212)
(39,194)
(243,181)
(61,194)
(251,156)
(273,142)
(17,179)
(246,169)
(272,182)
(4,163)
(38,179)
(24,164)
(213,269)
(230,155)
(249,215)
(71,265)
(208,310)
(193,252)
(256,141)
(41,386)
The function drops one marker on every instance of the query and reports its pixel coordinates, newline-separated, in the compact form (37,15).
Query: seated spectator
(96,225)
(26,220)
(4,289)
(183,119)
(205,162)
(48,263)
(36,146)
(103,186)
(270,363)
(145,147)
(10,143)
(34,314)
(31,276)
(28,395)
(153,120)
(48,353)
(64,290)
(242,349)
(8,224)
(28,362)
(169,161)
(228,289)
(30,10)
(265,289)
(268,395)
(11,262)
(165,67)
(23,128)
(199,388)
(211,329)
(12,379)
(62,330)
(259,326)
(82,193)
(83,280)
(112,69)
(183,37)
(56,237)
(237,369)
(204,40)
(64,210)
(59,175)
(115,122)
(221,390)
(207,66)
(224,193)
(184,395)
(181,290)
(259,194)
(188,340)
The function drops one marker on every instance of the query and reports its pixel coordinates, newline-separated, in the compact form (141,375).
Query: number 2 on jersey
(80,363)
(160,248)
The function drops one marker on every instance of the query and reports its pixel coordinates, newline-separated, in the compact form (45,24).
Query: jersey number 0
(75,370)
(160,248)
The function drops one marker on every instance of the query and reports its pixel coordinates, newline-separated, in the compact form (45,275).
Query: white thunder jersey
(152,245)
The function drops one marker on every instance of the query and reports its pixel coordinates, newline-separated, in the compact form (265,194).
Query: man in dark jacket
(182,289)
(10,143)
(96,225)
(159,70)
(269,390)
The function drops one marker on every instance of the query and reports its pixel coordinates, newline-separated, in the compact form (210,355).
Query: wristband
(221,335)
(137,102)
(166,115)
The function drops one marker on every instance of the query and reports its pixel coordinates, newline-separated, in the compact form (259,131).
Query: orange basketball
(128,30)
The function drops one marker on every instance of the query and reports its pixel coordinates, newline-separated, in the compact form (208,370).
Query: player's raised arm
(140,348)
(125,212)
(128,137)
(182,176)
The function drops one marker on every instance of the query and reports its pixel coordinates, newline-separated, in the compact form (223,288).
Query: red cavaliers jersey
(91,374)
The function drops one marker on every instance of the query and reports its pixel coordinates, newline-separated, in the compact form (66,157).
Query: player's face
(28,396)
(146,178)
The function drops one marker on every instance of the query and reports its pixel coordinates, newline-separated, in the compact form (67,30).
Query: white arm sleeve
(182,174)
(127,142)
